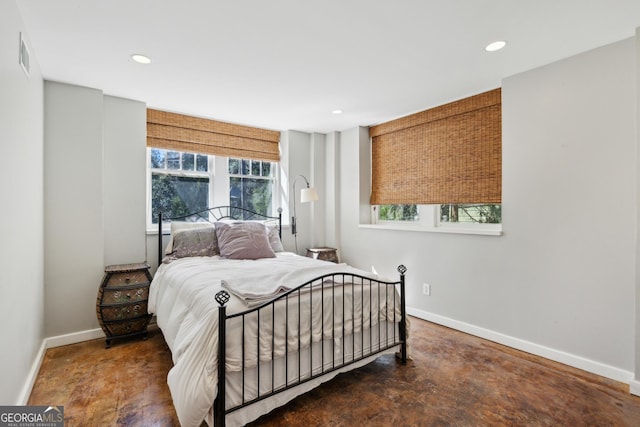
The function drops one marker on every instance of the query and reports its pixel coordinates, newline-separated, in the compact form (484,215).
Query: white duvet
(182,296)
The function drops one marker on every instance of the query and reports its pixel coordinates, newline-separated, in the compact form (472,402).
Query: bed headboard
(216,214)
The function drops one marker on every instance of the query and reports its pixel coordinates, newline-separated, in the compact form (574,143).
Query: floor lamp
(307,194)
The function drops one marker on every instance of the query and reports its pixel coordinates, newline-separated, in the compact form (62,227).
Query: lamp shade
(308,194)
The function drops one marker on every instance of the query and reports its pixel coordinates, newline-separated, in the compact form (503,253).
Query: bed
(251,326)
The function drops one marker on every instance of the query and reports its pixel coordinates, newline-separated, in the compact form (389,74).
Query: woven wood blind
(178,132)
(448,154)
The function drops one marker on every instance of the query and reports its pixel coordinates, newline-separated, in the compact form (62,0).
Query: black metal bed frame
(326,285)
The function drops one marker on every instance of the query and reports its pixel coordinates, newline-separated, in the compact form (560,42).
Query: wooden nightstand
(324,253)
(121,305)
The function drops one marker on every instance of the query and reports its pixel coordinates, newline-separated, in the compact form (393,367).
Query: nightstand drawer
(127,327)
(124,295)
(127,278)
(124,311)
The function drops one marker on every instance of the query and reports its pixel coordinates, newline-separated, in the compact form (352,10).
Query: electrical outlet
(426,289)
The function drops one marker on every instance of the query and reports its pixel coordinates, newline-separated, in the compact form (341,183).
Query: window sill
(443,229)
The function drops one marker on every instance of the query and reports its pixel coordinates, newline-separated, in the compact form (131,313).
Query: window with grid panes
(182,183)
(251,184)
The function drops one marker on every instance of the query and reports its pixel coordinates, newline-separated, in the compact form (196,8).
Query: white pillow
(274,238)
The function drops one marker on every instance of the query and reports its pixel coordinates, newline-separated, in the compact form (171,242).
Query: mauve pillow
(243,240)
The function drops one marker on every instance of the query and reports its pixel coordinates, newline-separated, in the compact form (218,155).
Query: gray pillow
(184,225)
(193,242)
(243,240)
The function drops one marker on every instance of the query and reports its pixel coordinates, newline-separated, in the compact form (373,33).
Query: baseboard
(73,338)
(634,387)
(52,342)
(529,347)
(23,397)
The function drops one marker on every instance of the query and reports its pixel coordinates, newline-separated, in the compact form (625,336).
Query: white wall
(125,180)
(570,143)
(73,207)
(302,158)
(560,282)
(94,198)
(332,190)
(317,222)
(21,187)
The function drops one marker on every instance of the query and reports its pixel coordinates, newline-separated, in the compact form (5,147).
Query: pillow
(274,238)
(184,225)
(195,242)
(243,240)
(272,233)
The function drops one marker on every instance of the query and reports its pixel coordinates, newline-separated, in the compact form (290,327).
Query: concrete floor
(454,379)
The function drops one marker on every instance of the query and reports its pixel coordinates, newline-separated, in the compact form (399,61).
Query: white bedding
(182,297)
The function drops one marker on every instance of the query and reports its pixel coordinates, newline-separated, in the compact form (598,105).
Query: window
(471,214)
(451,218)
(450,152)
(182,182)
(179,183)
(251,185)
(398,213)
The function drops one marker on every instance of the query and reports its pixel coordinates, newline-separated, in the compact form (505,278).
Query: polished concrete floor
(454,379)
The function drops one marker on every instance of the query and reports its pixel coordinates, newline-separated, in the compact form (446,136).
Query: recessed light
(141,59)
(497,45)
(337,112)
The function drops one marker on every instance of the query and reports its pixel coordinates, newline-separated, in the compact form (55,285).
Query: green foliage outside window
(251,185)
(177,195)
(480,214)
(398,213)
(450,213)
(179,183)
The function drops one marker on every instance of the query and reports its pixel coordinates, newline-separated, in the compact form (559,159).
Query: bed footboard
(366,317)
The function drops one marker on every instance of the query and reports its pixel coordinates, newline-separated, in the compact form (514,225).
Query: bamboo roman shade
(448,154)
(179,132)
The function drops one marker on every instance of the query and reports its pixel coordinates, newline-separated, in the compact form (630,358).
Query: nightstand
(324,253)
(121,305)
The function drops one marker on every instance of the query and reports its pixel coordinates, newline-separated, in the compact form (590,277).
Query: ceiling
(287,64)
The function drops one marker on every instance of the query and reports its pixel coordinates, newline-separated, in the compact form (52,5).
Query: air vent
(24,57)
